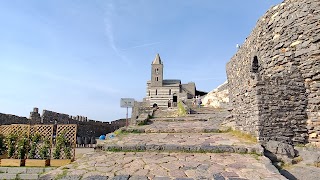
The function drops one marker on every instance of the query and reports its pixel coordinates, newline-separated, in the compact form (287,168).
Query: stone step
(182,148)
(23,172)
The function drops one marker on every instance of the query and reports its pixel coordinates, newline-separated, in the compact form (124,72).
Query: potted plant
(17,147)
(39,151)
(62,152)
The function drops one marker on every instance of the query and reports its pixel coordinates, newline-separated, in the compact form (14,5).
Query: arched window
(169,91)
(156,92)
(157,71)
(255,65)
(149,92)
(157,79)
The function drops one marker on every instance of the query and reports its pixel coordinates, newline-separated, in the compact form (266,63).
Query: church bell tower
(157,72)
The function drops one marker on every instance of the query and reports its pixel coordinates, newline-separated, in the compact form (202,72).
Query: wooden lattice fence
(69,131)
(46,132)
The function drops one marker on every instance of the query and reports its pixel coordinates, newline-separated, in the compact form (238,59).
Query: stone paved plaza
(160,164)
(153,165)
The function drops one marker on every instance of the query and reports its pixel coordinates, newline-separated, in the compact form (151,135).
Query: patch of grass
(142,123)
(243,135)
(60,176)
(256,156)
(181,110)
(316,164)
(298,159)
(300,145)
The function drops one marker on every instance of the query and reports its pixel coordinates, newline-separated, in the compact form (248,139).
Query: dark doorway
(174,100)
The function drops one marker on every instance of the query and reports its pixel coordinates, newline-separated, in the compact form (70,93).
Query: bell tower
(157,72)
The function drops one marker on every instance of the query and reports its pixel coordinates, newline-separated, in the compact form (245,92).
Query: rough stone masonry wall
(6,119)
(279,100)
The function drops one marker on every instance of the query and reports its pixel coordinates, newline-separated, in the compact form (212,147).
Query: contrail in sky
(142,45)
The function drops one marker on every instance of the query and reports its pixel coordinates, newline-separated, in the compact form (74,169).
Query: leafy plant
(62,144)
(44,150)
(33,145)
(2,145)
(67,152)
(22,147)
(10,142)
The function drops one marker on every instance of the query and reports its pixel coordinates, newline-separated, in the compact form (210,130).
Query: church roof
(157,60)
(171,81)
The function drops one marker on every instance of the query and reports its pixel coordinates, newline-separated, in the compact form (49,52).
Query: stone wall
(274,78)
(138,109)
(85,127)
(6,119)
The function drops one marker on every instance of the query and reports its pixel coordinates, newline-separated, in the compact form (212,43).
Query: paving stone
(183,179)
(35,170)
(28,176)
(3,169)
(8,176)
(95,177)
(17,170)
(71,177)
(121,177)
(161,178)
(47,169)
(230,174)
(218,176)
(138,178)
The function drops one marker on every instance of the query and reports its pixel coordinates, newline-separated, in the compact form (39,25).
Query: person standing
(199,102)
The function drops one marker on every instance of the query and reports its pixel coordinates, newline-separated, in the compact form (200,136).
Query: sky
(80,57)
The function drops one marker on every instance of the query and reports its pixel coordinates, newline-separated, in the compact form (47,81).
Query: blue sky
(80,57)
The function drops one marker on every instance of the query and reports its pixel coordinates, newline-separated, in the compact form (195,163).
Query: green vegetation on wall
(181,110)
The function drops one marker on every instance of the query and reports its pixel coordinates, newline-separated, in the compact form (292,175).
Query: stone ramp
(167,166)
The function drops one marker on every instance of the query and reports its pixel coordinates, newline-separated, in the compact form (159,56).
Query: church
(166,92)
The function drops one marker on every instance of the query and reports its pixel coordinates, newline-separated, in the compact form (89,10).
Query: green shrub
(181,110)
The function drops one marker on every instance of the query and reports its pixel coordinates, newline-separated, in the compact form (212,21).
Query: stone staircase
(191,147)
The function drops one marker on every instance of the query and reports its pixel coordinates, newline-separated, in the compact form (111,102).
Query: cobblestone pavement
(153,165)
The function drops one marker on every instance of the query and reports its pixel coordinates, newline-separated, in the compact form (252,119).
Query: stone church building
(166,92)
